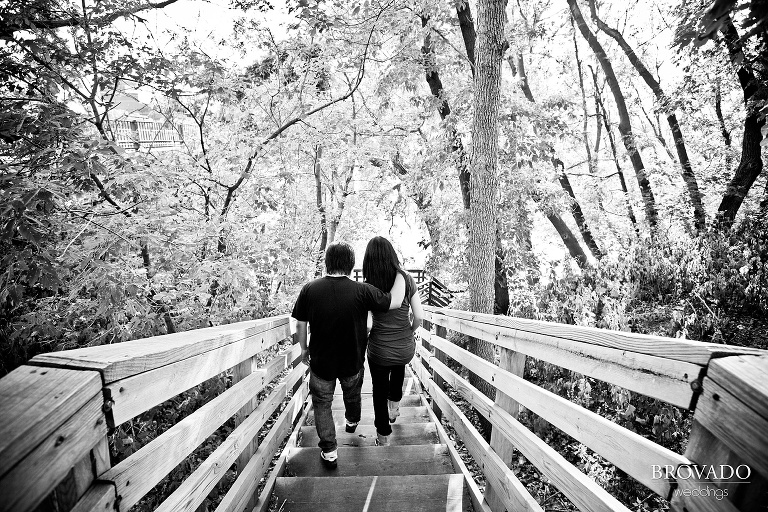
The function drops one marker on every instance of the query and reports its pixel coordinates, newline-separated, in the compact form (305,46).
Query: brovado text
(710,472)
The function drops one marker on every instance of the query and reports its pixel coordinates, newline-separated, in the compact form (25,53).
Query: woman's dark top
(391,339)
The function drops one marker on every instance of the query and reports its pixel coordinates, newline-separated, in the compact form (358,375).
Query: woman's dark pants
(387,384)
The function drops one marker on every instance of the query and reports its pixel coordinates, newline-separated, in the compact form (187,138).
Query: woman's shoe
(394,410)
(382,440)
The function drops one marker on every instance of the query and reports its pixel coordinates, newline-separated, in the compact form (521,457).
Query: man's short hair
(339,258)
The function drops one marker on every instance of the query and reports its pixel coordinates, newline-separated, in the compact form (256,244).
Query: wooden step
(365,435)
(414,493)
(407,415)
(367,402)
(410,386)
(428,459)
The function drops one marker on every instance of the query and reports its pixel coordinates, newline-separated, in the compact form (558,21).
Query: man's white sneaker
(393,409)
(329,459)
(382,440)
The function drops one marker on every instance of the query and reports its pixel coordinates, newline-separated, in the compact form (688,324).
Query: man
(336,308)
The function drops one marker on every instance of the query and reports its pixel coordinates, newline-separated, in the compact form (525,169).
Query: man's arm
(418,311)
(398,292)
(301,337)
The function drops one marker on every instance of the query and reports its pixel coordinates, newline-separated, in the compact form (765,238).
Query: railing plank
(745,377)
(247,481)
(510,490)
(666,379)
(139,473)
(582,491)
(737,425)
(695,352)
(264,498)
(121,360)
(194,489)
(629,451)
(100,497)
(513,362)
(474,491)
(34,477)
(138,393)
(36,401)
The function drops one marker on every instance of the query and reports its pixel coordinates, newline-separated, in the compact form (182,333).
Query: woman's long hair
(380,264)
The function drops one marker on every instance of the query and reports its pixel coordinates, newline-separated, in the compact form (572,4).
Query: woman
(390,343)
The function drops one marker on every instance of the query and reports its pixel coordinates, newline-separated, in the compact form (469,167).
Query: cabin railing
(58,409)
(726,388)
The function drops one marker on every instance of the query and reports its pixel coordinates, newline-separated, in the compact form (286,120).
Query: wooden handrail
(56,410)
(55,413)
(726,386)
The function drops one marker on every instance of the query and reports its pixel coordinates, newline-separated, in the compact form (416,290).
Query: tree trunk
(569,240)
(694,195)
(483,212)
(468,33)
(603,114)
(444,109)
(625,126)
(578,214)
(321,210)
(751,163)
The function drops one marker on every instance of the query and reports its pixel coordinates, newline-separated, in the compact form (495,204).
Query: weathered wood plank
(121,360)
(666,379)
(512,492)
(474,491)
(744,377)
(139,393)
(34,477)
(414,493)
(695,352)
(36,401)
(707,451)
(583,492)
(240,372)
(699,496)
(426,459)
(735,424)
(247,481)
(279,468)
(139,473)
(629,451)
(194,489)
(514,363)
(365,435)
(100,497)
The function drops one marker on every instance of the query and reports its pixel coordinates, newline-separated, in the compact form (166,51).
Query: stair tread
(428,459)
(410,386)
(407,415)
(418,493)
(365,435)
(367,402)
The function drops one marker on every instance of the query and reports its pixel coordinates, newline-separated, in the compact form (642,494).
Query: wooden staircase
(416,472)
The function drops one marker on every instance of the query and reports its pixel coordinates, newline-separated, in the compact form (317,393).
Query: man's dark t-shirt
(337,310)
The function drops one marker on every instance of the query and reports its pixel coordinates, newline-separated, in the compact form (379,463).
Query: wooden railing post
(513,362)
(240,372)
(728,443)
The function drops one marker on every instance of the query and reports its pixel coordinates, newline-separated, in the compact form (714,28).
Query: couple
(337,309)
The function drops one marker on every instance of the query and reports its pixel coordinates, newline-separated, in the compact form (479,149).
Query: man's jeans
(322,401)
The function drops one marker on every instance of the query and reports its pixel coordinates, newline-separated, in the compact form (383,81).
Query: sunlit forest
(172,165)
